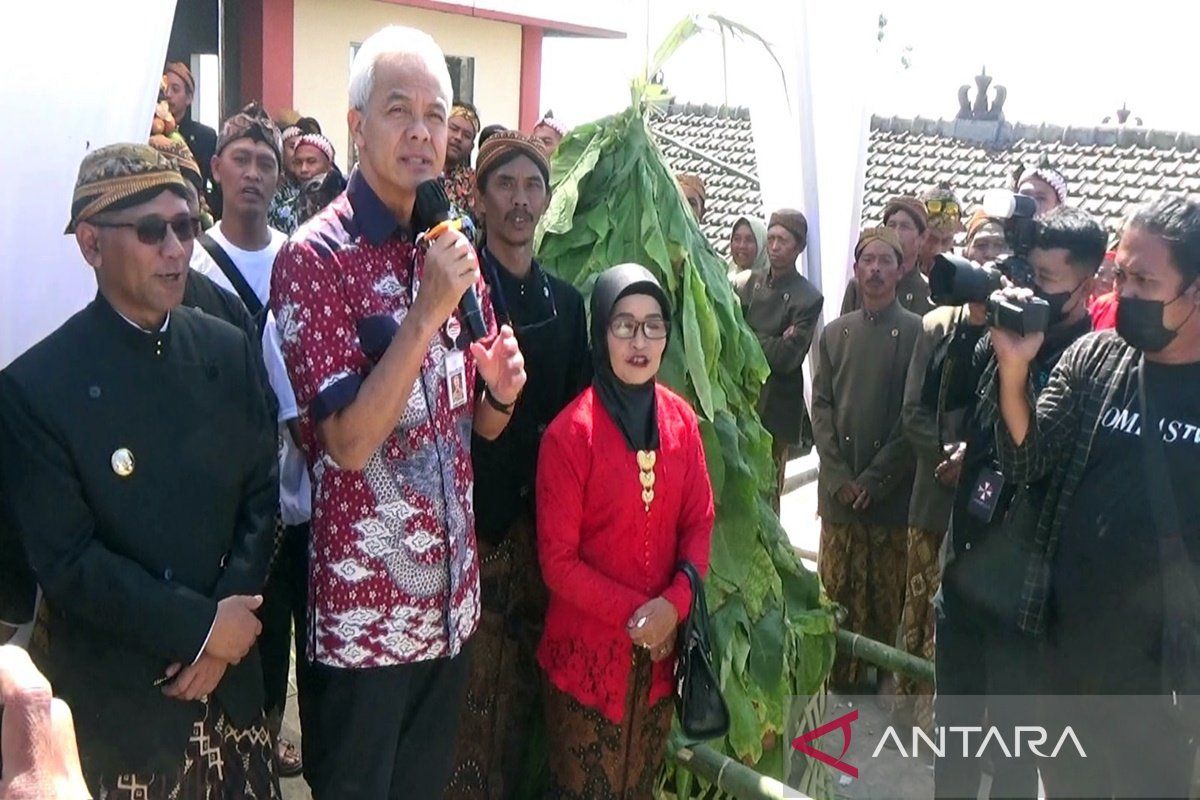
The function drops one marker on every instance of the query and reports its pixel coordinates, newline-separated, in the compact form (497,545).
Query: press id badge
(456,378)
(985,495)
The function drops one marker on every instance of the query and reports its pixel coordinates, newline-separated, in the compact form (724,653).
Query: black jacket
(132,566)
(968,355)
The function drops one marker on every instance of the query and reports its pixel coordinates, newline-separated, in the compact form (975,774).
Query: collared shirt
(394,575)
(858,394)
(550,322)
(774,305)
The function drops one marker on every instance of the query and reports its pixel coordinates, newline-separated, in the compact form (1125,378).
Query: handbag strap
(698,618)
(230,270)
(1159,486)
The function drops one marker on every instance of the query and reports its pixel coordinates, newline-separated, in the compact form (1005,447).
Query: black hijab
(633,408)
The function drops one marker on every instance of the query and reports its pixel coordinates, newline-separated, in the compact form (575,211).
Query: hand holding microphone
(451,270)
(451,266)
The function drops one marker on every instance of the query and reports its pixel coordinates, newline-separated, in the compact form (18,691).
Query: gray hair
(409,43)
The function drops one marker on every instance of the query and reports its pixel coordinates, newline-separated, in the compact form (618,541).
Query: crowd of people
(275,418)
(985,500)
(476,536)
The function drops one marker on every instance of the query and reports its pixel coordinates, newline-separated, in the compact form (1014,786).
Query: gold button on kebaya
(122,462)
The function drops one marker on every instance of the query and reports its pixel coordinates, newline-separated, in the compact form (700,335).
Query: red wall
(267,52)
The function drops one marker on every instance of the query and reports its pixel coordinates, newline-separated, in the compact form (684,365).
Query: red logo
(802,743)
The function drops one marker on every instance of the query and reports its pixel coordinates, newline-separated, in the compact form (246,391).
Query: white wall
(324,32)
(73,76)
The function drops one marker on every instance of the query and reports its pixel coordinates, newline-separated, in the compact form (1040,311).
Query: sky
(1064,63)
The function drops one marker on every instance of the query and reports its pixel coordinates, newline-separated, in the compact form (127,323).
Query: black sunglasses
(153,230)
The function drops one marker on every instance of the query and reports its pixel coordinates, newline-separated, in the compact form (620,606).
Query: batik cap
(122,175)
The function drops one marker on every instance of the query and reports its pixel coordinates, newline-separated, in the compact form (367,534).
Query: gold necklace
(646,460)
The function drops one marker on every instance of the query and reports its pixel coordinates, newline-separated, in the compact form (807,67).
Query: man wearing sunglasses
(511,194)
(237,254)
(137,460)
(945,222)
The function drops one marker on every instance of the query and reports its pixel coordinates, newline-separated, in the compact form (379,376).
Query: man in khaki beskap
(866,472)
(782,307)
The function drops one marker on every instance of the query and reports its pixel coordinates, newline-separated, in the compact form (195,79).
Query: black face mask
(1140,323)
(1057,302)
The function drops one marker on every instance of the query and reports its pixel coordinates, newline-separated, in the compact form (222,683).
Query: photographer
(984,636)
(1121,516)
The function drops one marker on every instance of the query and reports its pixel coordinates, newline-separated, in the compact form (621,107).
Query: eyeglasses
(153,230)
(626,327)
(938,207)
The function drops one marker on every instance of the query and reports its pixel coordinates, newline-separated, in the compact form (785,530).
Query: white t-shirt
(255,265)
(295,489)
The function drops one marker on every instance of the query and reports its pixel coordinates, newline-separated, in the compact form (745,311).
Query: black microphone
(431,215)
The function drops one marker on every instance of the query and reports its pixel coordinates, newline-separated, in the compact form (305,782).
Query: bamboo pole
(883,656)
(732,777)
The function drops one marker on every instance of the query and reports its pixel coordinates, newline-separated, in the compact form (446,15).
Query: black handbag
(698,702)
(992,576)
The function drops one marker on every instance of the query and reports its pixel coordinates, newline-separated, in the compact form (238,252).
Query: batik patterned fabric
(504,688)
(591,757)
(917,620)
(394,576)
(862,568)
(459,184)
(222,762)
(281,214)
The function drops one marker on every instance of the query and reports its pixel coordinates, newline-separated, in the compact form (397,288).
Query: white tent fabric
(812,149)
(73,76)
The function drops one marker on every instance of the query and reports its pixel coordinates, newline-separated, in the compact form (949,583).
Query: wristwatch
(503,408)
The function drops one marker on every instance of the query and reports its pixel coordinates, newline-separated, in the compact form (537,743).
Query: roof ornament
(981,109)
(1122,117)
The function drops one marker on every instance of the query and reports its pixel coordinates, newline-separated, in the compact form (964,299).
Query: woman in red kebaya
(623,496)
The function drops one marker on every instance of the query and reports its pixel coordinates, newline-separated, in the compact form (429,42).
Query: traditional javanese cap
(502,147)
(1047,173)
(119,176)
(318,141)
(467,112)
(938,200)
(174,147)
(181,70)
(254,123)
(979,221)
(553,124)
(793,221)
(879,234)
(914,207)
(688,180)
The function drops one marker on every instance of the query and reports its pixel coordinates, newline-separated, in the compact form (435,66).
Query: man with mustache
(866,462)
(909,218)
(512,192)
(367,313)
(237,254)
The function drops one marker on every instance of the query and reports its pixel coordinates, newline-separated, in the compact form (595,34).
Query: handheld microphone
(431,215)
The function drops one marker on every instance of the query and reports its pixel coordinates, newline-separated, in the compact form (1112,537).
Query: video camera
(954,280)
